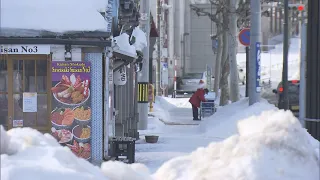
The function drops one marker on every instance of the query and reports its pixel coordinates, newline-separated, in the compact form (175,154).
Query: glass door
(29,99)
(4,91)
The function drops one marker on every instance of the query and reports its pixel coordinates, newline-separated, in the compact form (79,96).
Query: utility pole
(254,60)
(143,77)
(312,120)
(158,88)
(303,54)
(285,55)
(247,49)
(183,42)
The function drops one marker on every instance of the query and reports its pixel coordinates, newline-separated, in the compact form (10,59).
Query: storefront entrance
(25,99)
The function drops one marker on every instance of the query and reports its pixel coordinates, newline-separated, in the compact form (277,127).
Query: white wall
(59,50)
(198,42)
(201,44)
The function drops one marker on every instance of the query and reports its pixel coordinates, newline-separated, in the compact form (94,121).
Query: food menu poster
(71,106)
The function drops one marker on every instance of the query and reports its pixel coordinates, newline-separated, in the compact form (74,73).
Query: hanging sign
(30,102)
(120,77)
(209,75)
(25,49)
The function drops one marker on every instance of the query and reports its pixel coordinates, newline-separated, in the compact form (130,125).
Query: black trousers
(195,112)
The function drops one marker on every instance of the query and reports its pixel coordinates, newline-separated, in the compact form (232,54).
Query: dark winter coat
(198,97)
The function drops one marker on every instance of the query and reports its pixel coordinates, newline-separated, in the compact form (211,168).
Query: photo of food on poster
(71,106)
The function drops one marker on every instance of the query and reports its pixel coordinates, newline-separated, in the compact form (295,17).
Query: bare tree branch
(220,6)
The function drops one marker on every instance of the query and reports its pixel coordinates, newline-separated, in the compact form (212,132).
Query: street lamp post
(285,55)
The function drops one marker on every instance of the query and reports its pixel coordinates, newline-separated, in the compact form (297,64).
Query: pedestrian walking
(196,100)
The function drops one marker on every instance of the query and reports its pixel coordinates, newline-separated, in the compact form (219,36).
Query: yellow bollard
(151,107)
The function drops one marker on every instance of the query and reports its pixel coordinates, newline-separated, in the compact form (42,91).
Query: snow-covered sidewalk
(173,111)
(174,141)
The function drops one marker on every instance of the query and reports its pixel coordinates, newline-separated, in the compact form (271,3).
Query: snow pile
(161,108)
(32,155)
(55,15)
(164,105)
(170,103)
(122,42)
(270,146)
(4,141)
(140,42)
(28,154)
(315,144)
(224,122)
(120,171)
(140,38)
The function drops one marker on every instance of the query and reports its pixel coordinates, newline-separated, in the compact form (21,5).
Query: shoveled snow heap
(28,154)
(270,146)
(223,123)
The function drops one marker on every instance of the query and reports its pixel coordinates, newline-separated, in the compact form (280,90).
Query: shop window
(29,74)
(18,76)
(30,79)
(3,92)
(41,76)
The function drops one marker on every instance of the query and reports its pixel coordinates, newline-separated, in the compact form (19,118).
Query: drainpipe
(175,78)
(108,84)
(183,42)
(171,31)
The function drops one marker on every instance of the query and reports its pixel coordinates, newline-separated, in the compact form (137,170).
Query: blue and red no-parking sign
(244,36)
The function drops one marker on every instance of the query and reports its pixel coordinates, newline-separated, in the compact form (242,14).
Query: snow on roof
(122,41)
(140,38)
(199,2)
(55,15)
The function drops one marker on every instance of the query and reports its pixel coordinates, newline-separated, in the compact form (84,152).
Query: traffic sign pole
(244,38)
(255,39)
(247,71)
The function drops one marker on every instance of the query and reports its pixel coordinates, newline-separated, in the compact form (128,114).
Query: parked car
(190,82)
(293,96)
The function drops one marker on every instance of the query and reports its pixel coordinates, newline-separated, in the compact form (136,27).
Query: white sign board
(164,74)
(24,49)
(17,123)
(30,102)
(209,76)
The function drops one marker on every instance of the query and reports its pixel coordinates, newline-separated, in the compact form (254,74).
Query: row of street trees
(229,16)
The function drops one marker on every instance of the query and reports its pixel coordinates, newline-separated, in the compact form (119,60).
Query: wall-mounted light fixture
(67,54)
